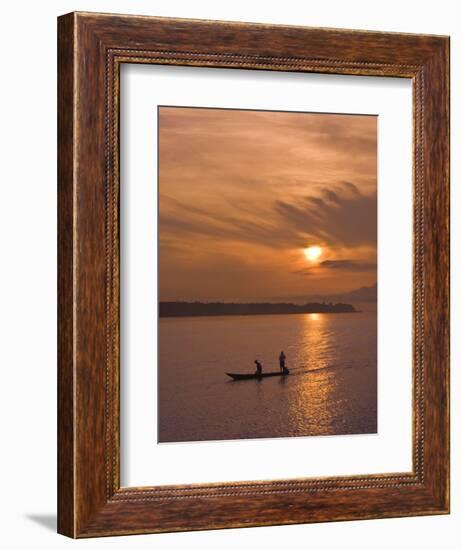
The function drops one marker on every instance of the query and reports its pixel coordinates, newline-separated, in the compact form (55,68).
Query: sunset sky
(265,206)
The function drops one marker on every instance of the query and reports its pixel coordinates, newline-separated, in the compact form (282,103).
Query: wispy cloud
(348,264)
(340,215)
(338,265)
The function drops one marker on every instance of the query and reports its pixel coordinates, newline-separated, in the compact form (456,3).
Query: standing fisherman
(282,362)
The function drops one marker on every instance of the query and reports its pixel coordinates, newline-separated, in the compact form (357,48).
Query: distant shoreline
(202,309)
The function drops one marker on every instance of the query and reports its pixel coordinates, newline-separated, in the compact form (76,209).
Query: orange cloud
(243,192)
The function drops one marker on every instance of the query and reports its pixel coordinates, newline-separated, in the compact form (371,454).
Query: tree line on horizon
(191,309)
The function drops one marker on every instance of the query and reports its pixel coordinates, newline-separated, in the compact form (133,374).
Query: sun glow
(312,253)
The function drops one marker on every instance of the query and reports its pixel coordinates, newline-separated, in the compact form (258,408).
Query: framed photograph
(253,275)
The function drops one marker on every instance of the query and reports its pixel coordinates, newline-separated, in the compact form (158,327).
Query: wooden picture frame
(91,49)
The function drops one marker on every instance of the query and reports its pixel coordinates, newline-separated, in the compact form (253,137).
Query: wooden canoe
(254,376)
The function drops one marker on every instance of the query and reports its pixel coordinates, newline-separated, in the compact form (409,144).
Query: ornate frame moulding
(91,49)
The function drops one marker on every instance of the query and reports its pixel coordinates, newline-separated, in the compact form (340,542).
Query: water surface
(331,389)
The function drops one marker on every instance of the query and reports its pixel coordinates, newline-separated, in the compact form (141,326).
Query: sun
(312,253)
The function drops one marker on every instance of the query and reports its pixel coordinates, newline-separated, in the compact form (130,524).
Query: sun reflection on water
(313,401)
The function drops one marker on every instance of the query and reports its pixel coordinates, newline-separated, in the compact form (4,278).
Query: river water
(331,389)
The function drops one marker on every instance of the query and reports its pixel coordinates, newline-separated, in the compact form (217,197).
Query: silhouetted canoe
(254,376)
